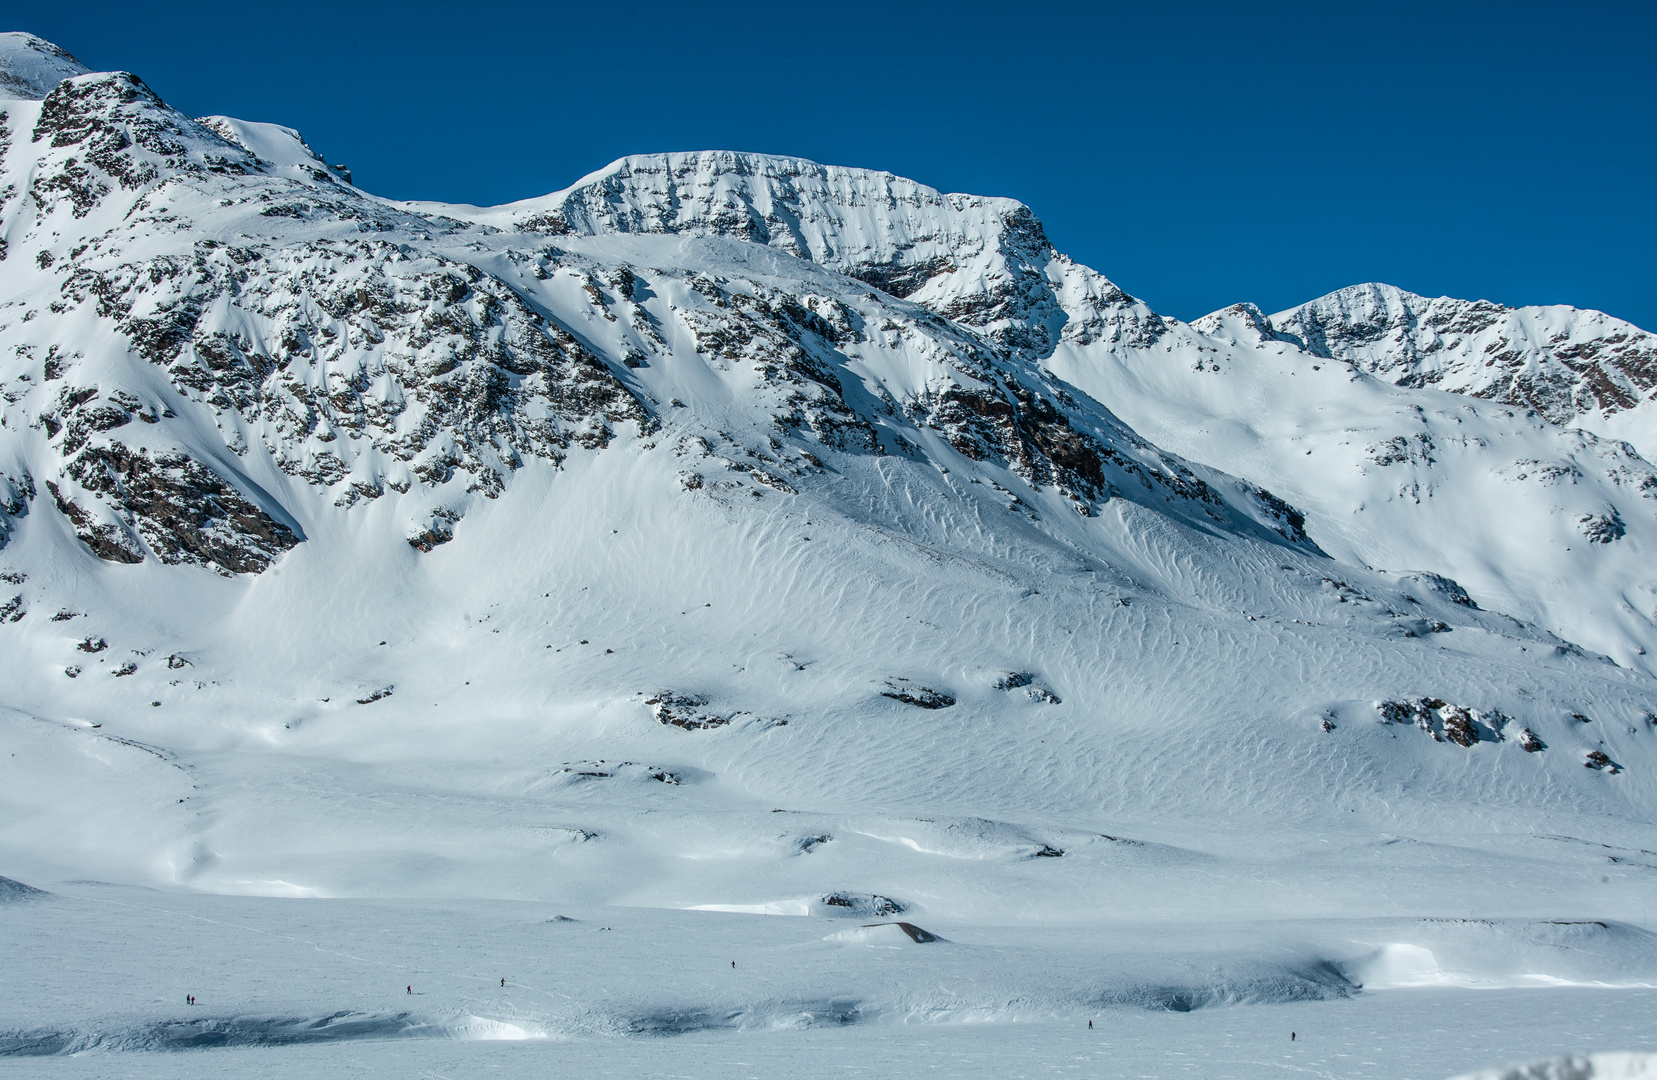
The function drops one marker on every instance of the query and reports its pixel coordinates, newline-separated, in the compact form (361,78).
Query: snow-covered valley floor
(97,977)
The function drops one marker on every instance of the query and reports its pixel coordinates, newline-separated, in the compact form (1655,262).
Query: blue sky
(1196,153)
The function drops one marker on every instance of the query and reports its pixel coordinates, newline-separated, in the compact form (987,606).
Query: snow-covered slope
(1547,521)
(253,413)
(31,67)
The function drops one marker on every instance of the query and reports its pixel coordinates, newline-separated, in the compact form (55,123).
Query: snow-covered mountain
(734,533)
(1387,478)
(253,412)
(1574,368)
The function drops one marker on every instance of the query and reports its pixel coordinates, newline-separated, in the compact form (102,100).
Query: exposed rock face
(688,711)
(982,263)
(15,494)
(428,361)
(1562,362)
(110,127)
(355,363)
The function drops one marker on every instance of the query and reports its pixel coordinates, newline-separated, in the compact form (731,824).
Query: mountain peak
(1239,322)
(1562,361)
(834,215)
(981,261)
(31,67)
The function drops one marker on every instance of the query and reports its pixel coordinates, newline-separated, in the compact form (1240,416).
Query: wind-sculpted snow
(1499,952)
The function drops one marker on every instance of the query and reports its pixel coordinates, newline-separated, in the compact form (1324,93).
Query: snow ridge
(1564,363)
(31,67)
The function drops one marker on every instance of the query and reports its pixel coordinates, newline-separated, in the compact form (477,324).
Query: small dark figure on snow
(411,988)
(1090,1025)
(733,965)
(1291,1036)
(503,982)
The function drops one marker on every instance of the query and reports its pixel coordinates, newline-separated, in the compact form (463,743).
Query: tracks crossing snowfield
(98,976)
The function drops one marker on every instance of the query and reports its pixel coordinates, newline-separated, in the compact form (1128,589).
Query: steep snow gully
(740,594)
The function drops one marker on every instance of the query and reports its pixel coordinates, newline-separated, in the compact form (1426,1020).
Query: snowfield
(738,616)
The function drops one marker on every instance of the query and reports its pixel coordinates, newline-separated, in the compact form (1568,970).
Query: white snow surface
(274,145)
(32,67)
(740,557)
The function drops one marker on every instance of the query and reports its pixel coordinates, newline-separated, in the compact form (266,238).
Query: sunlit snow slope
(737,533)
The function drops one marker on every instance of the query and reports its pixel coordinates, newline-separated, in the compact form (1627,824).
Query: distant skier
(1291,1036)
(411,988)
(189,999)
(1090,1025)
(733,965)
(503,982)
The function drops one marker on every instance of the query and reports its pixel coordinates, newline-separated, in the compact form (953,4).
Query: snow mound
(1575,1067)
(1506,952)
(887,934)
(974,839)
